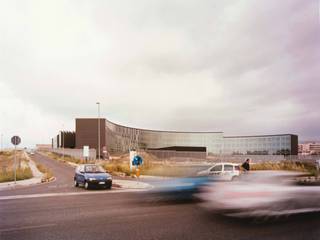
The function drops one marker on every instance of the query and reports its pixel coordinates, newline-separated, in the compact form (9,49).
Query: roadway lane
(64,179)
(119,216)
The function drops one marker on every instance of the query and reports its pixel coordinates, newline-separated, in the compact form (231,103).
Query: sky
(238,66)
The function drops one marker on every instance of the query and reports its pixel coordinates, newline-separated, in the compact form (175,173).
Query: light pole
(62,138)
(1,142)
(98,103)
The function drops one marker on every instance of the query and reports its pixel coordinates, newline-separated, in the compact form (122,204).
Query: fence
(201,157)
(76,153)
(168,154)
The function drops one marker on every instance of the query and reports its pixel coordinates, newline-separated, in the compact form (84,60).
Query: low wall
(76,153)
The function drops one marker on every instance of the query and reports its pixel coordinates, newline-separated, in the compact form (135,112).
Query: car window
(81,169)
(228,167)
(216,168)
(237,168)
(94,169)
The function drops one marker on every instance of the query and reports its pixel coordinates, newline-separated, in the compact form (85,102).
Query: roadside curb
(129,184)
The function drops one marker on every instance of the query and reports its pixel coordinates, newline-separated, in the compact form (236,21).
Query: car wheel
(76,184)
(235,178)
(86,185)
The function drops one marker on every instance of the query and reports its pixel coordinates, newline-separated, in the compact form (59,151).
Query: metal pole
(98,130)
(62,138)
(15,165)
(1,142)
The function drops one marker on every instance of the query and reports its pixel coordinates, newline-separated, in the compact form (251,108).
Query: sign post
(132,155)
(86,152)
(15,140)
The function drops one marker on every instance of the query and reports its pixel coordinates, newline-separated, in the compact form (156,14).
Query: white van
(222,171)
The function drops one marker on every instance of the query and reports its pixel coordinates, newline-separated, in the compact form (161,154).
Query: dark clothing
(246,166)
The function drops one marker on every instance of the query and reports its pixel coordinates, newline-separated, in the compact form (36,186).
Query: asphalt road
(64,179)
(124,215)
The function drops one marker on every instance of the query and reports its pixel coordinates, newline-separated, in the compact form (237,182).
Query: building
(115,138)
(43,146)
(64,139)
(309,148)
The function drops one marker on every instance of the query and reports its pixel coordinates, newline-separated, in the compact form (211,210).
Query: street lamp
(62,139)
(1,142)
(98,103)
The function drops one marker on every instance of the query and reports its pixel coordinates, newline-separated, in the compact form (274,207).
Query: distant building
(43,146)
(309,148)
(64,139)
(115,138)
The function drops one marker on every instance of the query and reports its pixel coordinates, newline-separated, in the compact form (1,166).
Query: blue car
(92,175)
(177,189)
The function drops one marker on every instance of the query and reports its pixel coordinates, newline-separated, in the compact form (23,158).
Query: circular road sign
(15,140)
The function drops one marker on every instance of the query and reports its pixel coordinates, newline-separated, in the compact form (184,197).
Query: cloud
(235,66)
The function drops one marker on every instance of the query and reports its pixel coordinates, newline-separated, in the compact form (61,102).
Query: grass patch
(66,158)
(47,174)
(122,165)
(7,166)
(22,173)
(286,166)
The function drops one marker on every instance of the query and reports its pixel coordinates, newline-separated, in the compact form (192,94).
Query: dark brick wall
(294,145)
(87,133)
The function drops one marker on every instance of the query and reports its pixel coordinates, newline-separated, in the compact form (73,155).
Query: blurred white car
(222,172)
(261,194)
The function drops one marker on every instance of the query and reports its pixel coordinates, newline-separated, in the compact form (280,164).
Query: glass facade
(260,145)
(120,139)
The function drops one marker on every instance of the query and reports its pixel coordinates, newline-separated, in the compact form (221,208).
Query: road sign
(85,151)
(137,161)
(15,140)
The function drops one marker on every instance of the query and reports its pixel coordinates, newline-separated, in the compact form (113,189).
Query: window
(81,169)
(228,167)
(216,168)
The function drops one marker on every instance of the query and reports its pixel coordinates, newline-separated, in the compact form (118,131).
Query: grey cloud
(168,64)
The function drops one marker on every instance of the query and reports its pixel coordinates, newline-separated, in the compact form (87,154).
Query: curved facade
(116,138)
(121,139)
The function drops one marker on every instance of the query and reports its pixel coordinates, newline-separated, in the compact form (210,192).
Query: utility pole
(98,103)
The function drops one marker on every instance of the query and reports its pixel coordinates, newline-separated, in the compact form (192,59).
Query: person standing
(246,165)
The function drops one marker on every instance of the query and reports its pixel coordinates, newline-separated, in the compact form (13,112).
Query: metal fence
(168,154)
(201,157)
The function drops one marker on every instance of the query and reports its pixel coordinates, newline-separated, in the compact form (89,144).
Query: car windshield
(94,169)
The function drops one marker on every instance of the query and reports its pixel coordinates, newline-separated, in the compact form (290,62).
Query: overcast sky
(241,67)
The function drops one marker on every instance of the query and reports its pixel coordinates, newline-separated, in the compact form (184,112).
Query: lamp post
(98,103)
(62,139)
(1,142)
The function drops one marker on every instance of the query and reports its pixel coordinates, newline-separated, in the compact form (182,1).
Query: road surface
(122,215)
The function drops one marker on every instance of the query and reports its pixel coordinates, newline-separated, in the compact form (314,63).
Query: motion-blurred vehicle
(261,194)
(175,189)
(92,175)
(222,172)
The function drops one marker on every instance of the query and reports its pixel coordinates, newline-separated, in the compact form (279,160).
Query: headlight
(109,177)
(92,179)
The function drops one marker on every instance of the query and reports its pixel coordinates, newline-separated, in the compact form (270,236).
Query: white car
(261,194)
(222,172)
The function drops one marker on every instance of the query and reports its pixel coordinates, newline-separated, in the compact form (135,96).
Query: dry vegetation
(285,165)
(121,165)
(65,158)
(7,166)
(47,174)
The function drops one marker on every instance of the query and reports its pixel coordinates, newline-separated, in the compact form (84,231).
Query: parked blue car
(92,175)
